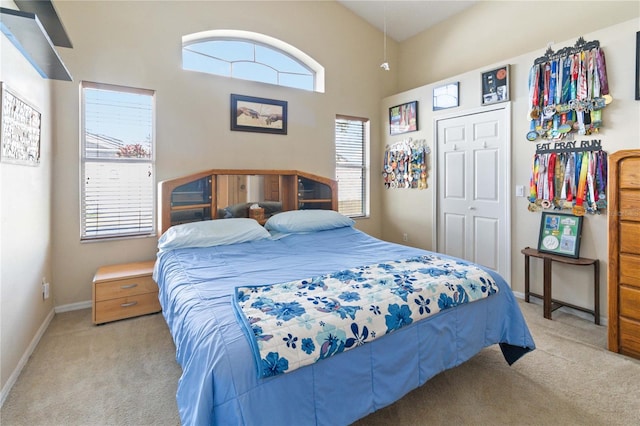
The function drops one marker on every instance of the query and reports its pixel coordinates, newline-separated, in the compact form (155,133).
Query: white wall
(411,211)
(491,31)
(25,224)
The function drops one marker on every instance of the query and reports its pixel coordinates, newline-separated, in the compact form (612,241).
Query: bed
(205,270)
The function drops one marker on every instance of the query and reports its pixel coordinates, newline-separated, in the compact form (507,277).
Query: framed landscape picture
(560,234)
(251,114)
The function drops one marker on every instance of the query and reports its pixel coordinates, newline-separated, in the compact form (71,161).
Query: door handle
(471,208)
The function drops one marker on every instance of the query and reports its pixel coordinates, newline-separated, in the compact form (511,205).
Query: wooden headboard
(222,193)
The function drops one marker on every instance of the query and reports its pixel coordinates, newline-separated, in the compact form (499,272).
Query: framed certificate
(560,234)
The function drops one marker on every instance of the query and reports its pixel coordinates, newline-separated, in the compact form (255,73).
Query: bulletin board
(19,130)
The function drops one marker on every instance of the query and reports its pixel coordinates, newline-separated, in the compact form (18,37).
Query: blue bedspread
(219,384)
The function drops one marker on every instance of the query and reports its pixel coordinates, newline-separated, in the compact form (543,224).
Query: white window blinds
(351,165)
(117,156)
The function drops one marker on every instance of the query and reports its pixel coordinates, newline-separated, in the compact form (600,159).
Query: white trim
(25,357)
(74,306)
(266,40)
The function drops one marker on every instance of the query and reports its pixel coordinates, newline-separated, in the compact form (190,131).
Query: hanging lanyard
(547,78)
(602,72)
(578,209)
(533,190)
(551,168)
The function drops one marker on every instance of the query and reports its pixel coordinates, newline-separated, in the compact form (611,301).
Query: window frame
(84,238)
(266,41)
(364,166)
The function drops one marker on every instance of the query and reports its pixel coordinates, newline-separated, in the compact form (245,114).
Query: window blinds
(118,184)
(351,165)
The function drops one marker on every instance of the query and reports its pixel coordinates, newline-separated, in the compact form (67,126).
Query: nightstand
(124,291)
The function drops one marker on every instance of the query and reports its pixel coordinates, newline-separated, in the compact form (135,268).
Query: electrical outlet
(405,237)
(45,291)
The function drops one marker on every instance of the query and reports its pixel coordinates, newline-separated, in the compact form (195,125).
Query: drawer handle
(125,287)
(126,305)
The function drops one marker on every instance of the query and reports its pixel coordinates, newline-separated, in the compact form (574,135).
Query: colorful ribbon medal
(579,209)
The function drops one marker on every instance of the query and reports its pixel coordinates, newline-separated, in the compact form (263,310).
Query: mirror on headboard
(221,194)
(236,193)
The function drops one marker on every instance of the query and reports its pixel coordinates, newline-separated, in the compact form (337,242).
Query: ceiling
(405,18)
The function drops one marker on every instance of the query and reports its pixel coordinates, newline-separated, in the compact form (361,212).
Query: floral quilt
(298,323)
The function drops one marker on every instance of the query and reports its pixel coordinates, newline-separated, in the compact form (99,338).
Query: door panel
(472,188)
(486,175)
(455,227)
(454,169)
(485,244)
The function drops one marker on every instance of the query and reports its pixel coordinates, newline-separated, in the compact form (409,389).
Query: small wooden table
(550,304)
(124,291)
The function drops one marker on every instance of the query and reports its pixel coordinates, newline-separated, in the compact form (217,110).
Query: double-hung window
(352,165)
(117,196)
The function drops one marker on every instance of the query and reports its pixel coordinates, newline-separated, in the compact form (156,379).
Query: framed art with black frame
(251,114)
(638,66)
(495,85)
(560,234)
(403,118)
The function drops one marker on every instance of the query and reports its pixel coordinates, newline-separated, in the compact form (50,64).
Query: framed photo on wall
(446,96)
(638,66)
(19,130)
(495,85)
(560,233)
(251,114)
(403,118)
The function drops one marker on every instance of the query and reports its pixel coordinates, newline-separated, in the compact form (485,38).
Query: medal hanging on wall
(404,165)
(567,92)
(576,181)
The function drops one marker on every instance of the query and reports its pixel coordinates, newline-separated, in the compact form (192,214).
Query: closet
(624,252)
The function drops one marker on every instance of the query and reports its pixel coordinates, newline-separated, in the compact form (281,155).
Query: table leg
(596,291)
(526,278)
(546,295)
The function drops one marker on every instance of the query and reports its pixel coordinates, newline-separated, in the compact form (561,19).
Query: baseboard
(73,306)
(25,357)
(566,309)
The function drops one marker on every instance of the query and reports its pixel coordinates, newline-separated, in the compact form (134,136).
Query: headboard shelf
(225,193)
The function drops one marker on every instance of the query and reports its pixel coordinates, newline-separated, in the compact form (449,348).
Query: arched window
(251,56)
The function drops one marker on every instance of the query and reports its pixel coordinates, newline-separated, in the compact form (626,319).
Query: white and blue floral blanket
(298,323)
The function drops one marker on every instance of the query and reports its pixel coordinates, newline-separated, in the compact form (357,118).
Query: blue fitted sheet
(219,383)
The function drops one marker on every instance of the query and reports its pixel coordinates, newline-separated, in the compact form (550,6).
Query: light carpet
(124,373)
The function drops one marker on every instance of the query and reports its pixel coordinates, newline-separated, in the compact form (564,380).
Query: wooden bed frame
(197,196)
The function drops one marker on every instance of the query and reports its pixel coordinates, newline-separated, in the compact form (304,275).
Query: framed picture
(446,96)
(19,130)
(250,114)
(403,118)
(560,233)
(638,66)
(495,85)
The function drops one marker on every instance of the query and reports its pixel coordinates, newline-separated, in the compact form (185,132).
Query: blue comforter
(219,383)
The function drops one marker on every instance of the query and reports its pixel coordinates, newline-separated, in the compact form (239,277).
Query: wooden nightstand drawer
(124,291)
(127,307)
(123,288)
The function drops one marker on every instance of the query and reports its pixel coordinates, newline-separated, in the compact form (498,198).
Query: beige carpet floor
(124,373)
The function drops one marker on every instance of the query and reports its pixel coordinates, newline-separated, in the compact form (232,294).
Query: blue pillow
(211,233)
(297,221)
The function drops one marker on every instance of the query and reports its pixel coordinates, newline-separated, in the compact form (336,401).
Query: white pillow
(211,233)
(307,221)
